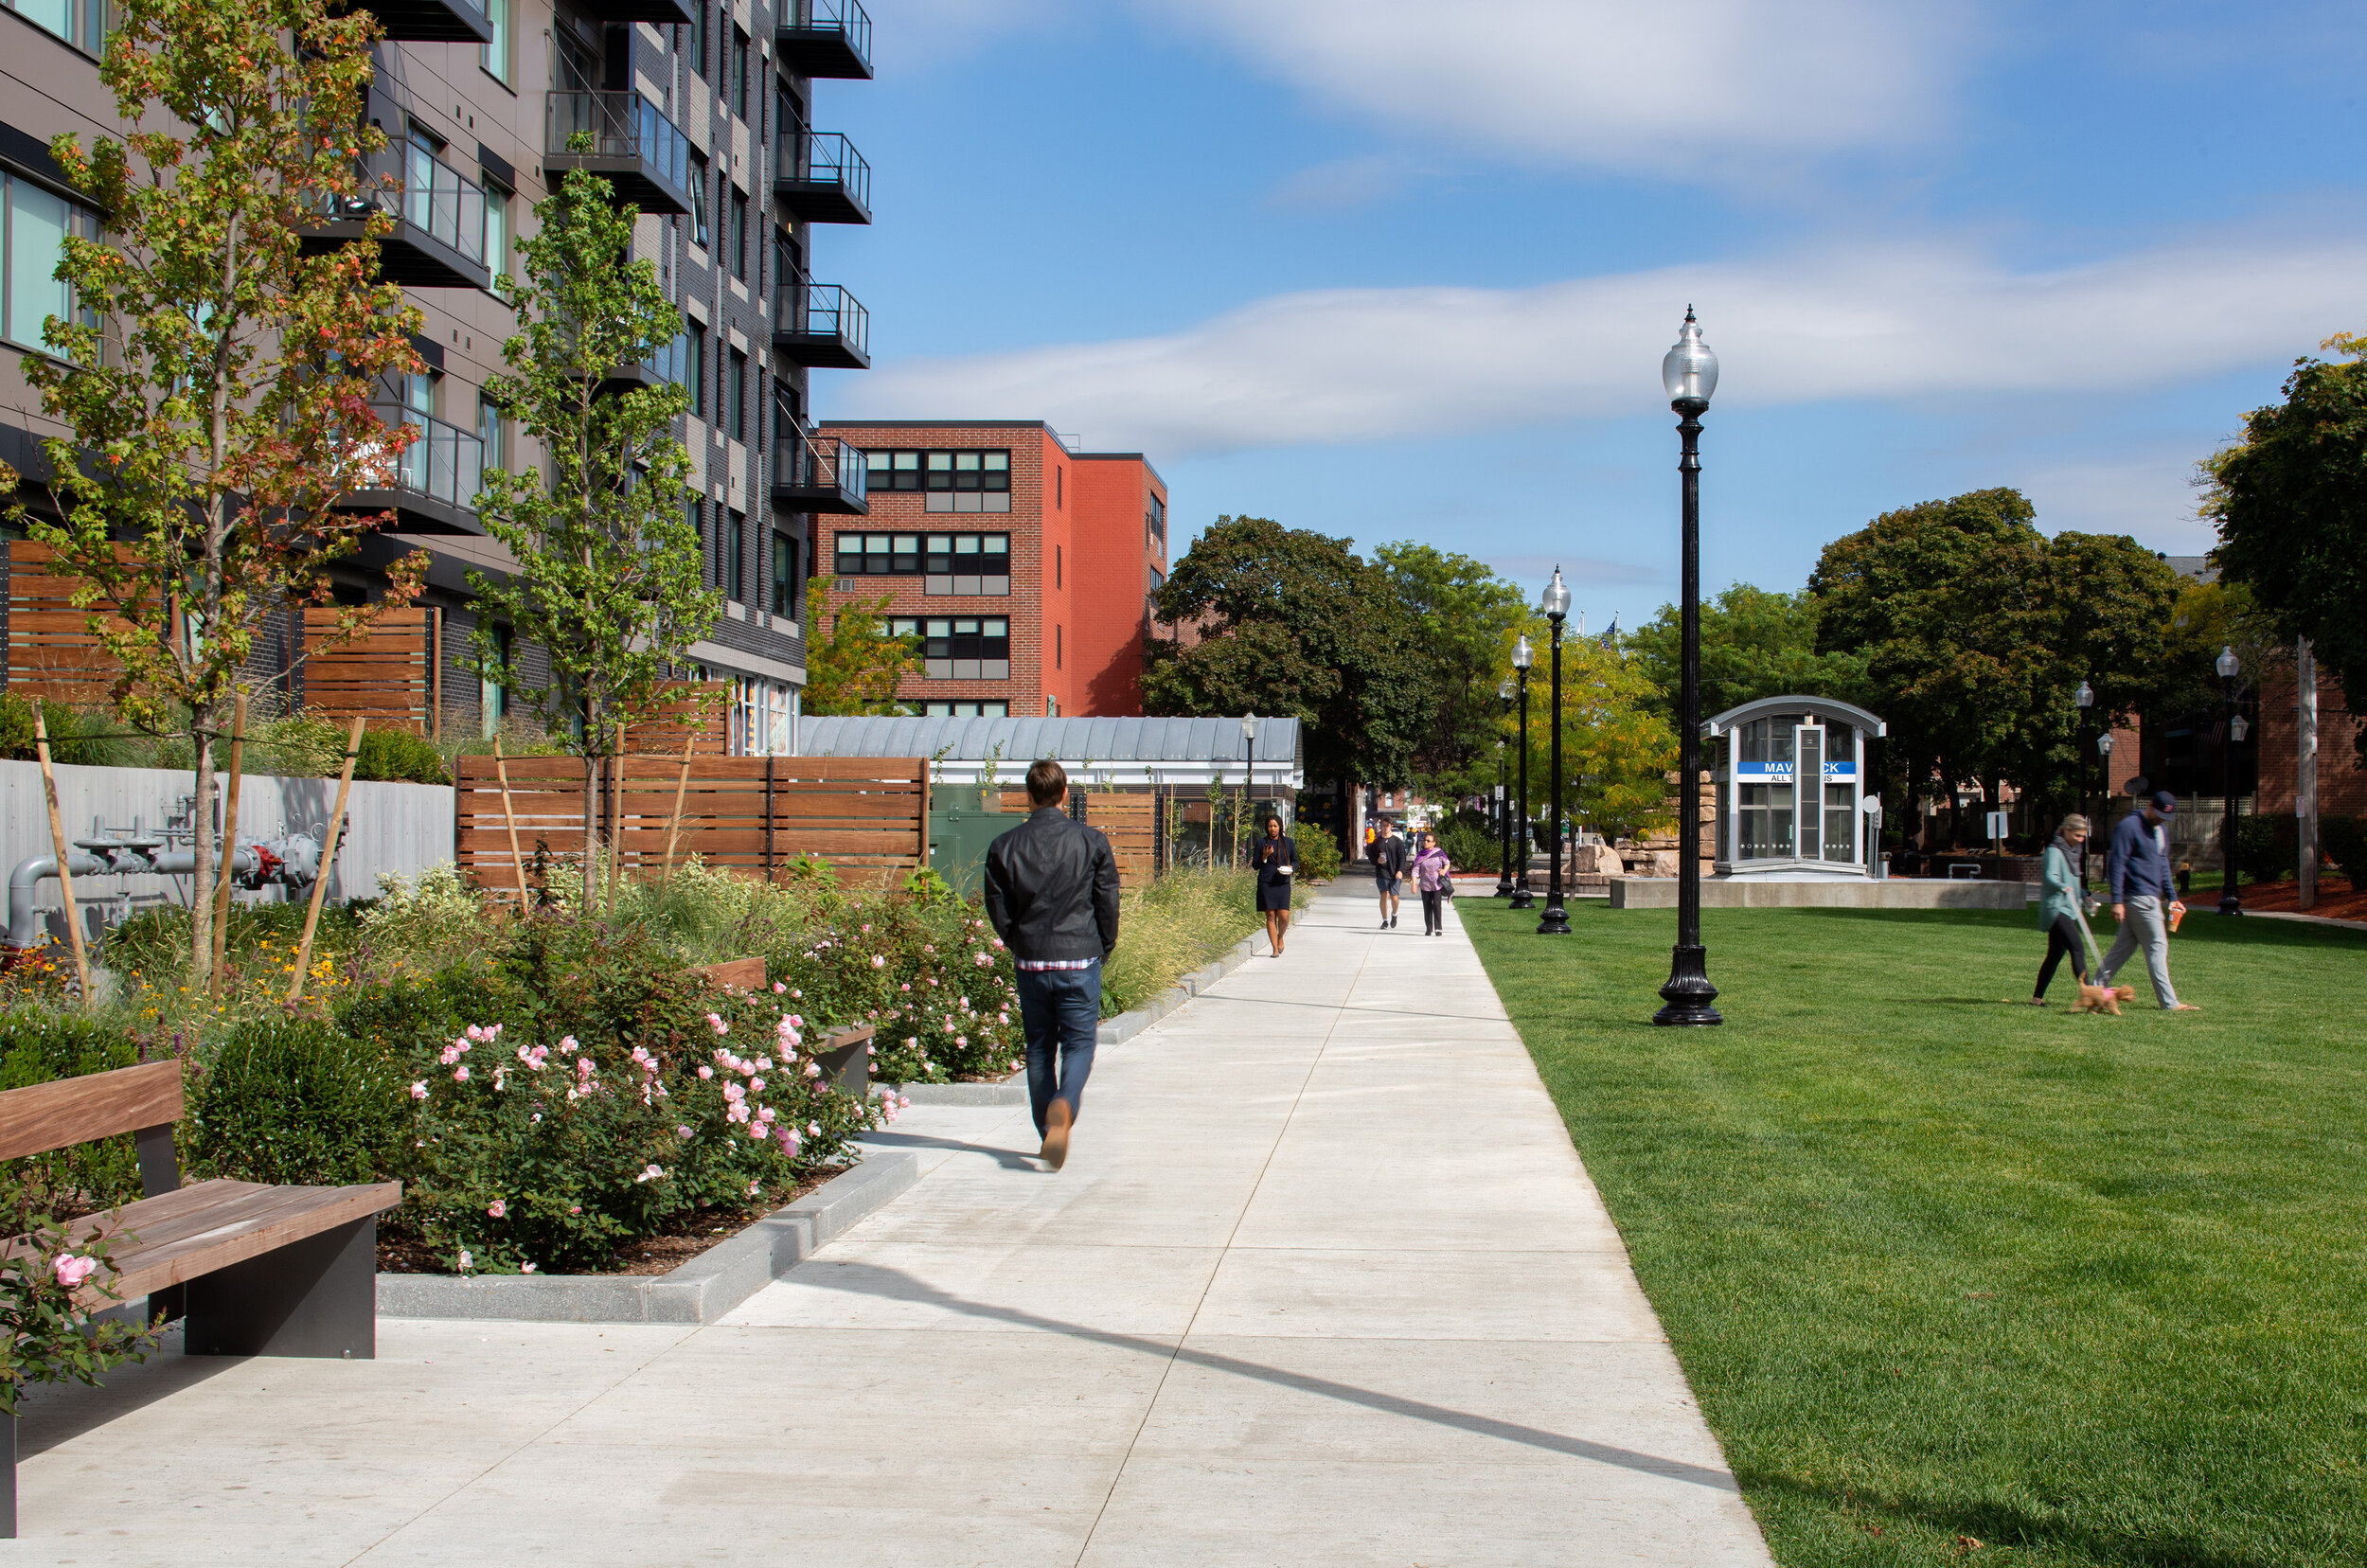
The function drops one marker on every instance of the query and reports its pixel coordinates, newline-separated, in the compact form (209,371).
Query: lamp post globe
(1555,601)
(1689,372)
(2230,667)
(1522,657)
(1503,801)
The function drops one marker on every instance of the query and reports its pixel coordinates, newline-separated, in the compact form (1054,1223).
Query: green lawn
(1945,1268)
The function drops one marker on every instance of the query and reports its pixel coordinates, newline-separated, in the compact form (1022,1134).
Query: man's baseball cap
(2165,802)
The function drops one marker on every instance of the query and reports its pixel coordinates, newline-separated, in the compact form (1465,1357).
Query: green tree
(607,575)
(1754,643)
(1462,617)
(1294,624)
(1616,747)
(2289,500)
(852,665)
(217,380)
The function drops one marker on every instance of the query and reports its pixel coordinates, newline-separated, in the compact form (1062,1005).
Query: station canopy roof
(1769,708)
(1128,753)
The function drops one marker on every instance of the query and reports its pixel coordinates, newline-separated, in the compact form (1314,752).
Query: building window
(1059,488)
(695,369)
(490,430)
(81,23)
(954,481)
(1059,574)
(494,57)
(492,695)
(739,73)
(962,649)
(738,241)
(1058,646)
(38,222)
(735,417)
(1155,520)
(968,711)
(699,201)
(952,564)
(784,576)
(735,530)
(697,515)
(497,224)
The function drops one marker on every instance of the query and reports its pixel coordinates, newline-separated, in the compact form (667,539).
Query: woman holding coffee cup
(1275,857)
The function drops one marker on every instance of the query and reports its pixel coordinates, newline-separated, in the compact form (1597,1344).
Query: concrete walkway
(1322,1283)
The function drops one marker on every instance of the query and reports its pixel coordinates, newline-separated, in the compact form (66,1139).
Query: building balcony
(623,136)
(658,13)
(816,473)
(425,20)
(438,238)
(821,325)
(432,486)
(820,178)
(824,38)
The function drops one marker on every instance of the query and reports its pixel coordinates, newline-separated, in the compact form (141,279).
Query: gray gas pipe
(291,862)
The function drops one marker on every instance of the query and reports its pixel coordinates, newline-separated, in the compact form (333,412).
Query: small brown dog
(2104,999)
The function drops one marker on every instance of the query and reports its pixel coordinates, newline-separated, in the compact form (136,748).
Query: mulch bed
(693,1233)
(2337,899)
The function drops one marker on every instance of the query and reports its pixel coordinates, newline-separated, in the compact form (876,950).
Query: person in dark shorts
(1275,857)
(1052,892)
(1390,854)
(2058,904)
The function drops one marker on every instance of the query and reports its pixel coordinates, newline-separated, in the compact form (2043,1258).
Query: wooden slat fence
(867,816)
(1129,819)
(53,656)
(709,732)
(391,675)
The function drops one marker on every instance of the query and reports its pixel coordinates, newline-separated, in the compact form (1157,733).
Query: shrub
(1319,854)
(291,1101)
(2268,848)
(1469,844)
(1180,923)
(2343,840)
(430,919)
(926,970)
(399,756)
(39,1047)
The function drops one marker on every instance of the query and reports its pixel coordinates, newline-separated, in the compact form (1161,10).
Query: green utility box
(957,844)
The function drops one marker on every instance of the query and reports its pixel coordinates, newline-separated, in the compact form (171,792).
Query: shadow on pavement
(1010,1159)
(896,1285)
(49,1414)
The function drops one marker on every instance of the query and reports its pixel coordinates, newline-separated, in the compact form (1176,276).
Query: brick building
(702,112)
(1025,568)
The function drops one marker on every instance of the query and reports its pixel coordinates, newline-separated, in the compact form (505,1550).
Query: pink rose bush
(927,970)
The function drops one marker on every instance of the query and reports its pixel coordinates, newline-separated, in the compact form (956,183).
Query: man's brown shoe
(1056,1140)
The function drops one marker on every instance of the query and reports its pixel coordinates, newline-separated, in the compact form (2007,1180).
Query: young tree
(1616,747)
(608,563)
(1461,618)
(217,380)
(1295,624)
(854,666)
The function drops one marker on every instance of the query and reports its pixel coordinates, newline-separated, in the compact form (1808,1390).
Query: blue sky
(1406,268)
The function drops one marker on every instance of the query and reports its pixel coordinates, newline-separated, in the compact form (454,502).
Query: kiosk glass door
(1809,773)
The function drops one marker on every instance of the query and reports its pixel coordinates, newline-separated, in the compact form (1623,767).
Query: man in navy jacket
(2144,897)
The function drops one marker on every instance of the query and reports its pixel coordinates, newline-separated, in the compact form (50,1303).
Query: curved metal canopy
(1768,707)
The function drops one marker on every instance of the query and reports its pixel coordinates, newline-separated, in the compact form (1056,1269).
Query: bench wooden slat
(43,1116)
(211,1226)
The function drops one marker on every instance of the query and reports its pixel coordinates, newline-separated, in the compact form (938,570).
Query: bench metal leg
(316,1298)
(7,1497)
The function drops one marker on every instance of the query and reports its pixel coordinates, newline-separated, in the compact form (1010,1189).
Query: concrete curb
(1124,1027)
(700,1291)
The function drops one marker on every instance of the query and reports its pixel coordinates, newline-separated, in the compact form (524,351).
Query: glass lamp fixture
(2103,745)
(1504,689)
(1523,654)
(2084,696)
(2228,664)
(1249,726)
(1555,601)
(1689,370)
(2237,729)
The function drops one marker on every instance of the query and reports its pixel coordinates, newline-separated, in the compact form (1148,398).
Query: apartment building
(1025,566)
(702,113)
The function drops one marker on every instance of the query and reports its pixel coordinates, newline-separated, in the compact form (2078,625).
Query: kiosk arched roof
(1768,707)
(1125,751)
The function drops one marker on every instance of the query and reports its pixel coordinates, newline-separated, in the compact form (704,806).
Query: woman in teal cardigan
(2058,907)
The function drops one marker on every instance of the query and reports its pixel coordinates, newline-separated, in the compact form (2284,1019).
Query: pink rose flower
(706,1071)
(497,1208)
(461,1074)
(73,1270)
(418,1089)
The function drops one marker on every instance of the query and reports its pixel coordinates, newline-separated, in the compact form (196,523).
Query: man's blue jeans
(1061,1009)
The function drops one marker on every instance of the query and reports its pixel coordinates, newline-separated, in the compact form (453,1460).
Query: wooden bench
(844,1062)
(250,1270)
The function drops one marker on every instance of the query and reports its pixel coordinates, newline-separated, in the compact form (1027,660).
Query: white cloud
(1339,184)
(1611,83)
(2151,497)
(1859,321)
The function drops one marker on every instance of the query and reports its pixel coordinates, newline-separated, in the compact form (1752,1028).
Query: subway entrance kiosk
(1792,790)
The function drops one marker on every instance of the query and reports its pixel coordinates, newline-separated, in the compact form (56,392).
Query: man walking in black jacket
(1390,854)
(1051,892)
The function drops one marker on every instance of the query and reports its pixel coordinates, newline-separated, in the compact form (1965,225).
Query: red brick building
(1025,568)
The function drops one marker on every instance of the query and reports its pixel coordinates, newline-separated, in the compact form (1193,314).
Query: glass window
(735,417)
(739,73)
(81,23)
(492,695)
(695,369)
(1155,520)
(495,56)
(491,431)
(784,575)
(699,200)
(737,242)
(38,222)
(1763,786)
(968,711)
(497,226)
(962,648)
(735,530)
(698,39)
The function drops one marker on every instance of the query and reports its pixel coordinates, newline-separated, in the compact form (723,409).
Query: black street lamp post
(2085,698)
(1689,372)
(1555,920)
(1504,804)
(1522,658)
(2230,901)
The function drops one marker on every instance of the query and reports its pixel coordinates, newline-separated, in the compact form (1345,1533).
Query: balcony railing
(438,238)
(432,484)
(821,325)
(813,473)
(824,38)
(819,176)
(624,136)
